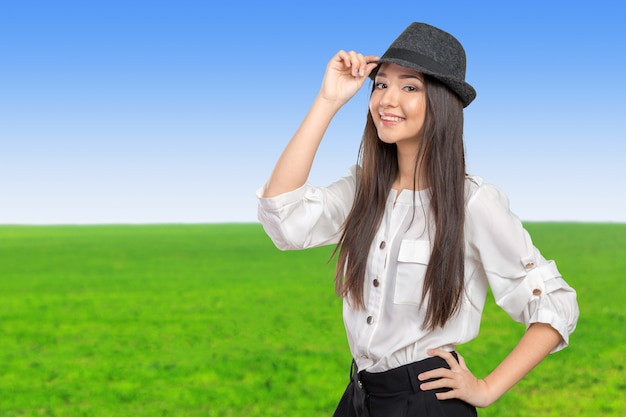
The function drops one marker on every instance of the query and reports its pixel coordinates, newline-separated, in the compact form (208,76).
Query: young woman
(418,240)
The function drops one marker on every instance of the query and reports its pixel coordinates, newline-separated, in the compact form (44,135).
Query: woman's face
(398,105)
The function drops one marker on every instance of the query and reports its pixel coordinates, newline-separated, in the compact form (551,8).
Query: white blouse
(498,253)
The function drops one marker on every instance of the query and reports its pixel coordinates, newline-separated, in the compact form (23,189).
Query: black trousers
(396,393)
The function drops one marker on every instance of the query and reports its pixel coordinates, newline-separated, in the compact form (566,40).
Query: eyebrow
(403,76)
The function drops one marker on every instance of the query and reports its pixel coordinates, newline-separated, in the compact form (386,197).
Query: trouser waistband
(401,379)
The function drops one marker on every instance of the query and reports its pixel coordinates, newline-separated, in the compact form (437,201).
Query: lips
(390,119)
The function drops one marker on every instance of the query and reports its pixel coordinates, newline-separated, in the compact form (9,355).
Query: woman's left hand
(459,379)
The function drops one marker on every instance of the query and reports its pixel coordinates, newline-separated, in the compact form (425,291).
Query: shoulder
(490,225)
(477,190)
(484,201)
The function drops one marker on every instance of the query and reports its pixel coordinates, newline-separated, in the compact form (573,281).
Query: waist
(378,361)
(400,379)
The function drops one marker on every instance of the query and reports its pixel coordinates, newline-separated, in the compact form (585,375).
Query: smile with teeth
(390,118)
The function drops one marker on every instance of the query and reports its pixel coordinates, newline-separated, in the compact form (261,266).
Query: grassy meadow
(212,320)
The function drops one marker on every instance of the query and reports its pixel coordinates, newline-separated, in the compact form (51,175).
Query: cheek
(373,109)
(419,110)
(373,105)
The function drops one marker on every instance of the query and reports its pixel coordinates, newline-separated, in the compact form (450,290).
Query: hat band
(416,58)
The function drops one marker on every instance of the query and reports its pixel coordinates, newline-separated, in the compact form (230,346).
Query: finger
(461,361)
(372,59)
(439,383)
(358,64)
(343,58)
(365,66)
(357,61)
(371,65)
(435,374)
(448,395)
(445,355)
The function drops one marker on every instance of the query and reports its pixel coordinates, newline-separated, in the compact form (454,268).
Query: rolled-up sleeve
(526,285)
(309,216)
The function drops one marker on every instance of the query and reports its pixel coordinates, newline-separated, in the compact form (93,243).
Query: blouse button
(370,319)
(376,283)
(529,265)
(382,245)
(536,292)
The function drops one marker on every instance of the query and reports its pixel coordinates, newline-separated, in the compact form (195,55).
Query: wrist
(328,104)
(491,393)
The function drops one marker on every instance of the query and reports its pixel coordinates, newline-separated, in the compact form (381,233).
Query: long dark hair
(441,156)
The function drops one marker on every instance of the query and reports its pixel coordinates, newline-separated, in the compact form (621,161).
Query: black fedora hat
(431,51)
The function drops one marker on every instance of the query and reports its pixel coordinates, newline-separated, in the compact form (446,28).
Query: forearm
(533,347)
(538,341)
(294,165)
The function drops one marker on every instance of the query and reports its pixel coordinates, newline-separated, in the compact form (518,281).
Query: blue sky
(175,111)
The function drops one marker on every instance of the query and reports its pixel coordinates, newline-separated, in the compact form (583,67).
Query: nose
(388,98)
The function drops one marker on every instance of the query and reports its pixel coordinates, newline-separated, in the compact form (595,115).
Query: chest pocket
(412,263)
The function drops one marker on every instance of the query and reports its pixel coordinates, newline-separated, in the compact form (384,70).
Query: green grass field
(212,320)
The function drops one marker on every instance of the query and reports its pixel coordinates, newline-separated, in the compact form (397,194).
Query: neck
(408,177)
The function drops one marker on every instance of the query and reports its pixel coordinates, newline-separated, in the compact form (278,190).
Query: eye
(411,88)
(380,85)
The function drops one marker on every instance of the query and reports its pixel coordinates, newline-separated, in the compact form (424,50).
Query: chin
(386,139)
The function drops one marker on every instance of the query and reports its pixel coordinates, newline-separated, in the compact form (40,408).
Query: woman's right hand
(345,74)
